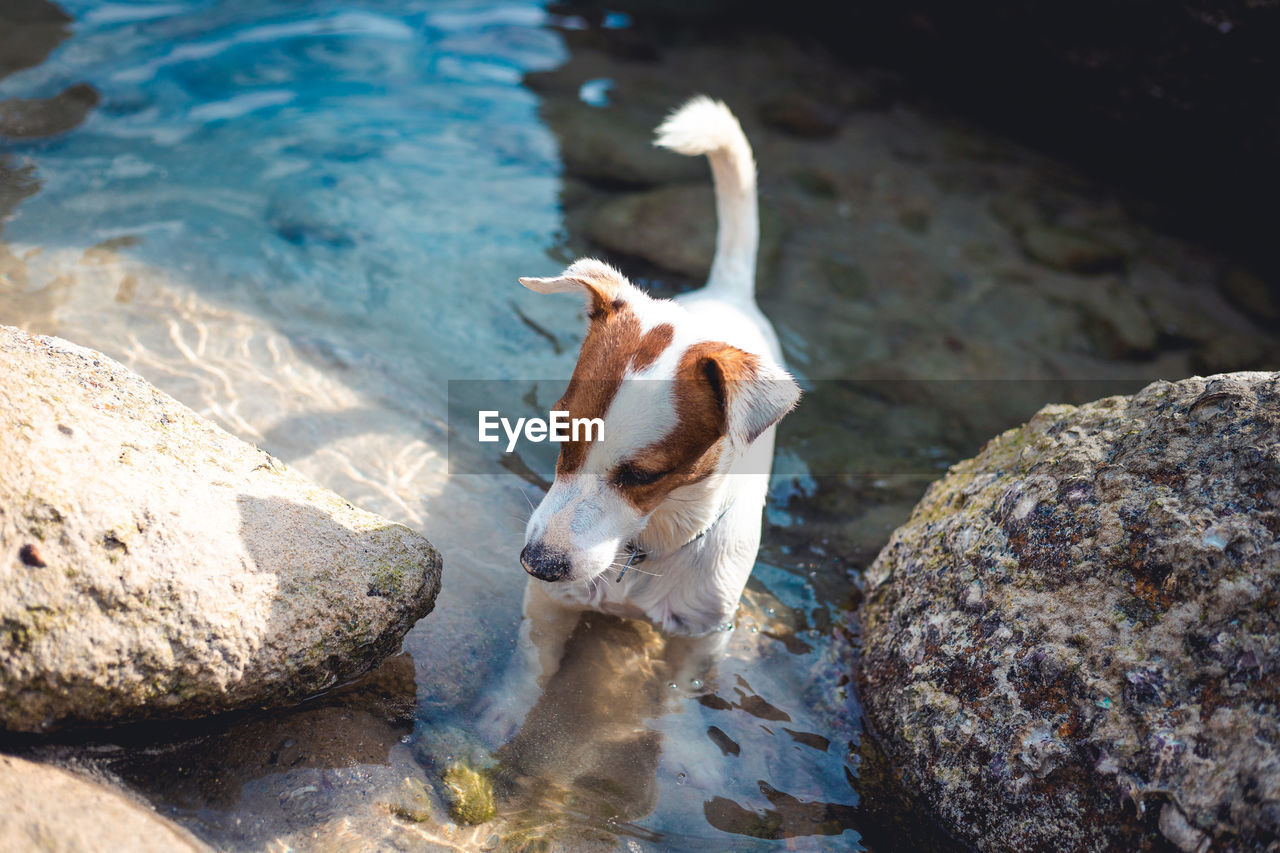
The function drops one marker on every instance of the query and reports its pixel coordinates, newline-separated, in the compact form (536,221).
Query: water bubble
(673,685)
(696,683)
(754,629)
(769,611)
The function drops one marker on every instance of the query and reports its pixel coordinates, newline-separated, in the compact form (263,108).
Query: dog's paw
(500,714)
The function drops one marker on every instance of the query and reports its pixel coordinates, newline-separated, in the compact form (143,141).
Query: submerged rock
(46,808)
(29,31)
(800,115)
(1070,250)
(34,117)
(613,148)
(155,566)
(1074,642)
(470,793)
(673,227)
(1254,296)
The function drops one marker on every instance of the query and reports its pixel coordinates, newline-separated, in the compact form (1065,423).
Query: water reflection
(623,740)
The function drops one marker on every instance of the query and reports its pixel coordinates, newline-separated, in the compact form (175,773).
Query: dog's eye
(630,475)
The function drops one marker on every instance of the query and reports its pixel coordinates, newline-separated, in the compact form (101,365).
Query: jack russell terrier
(659,519)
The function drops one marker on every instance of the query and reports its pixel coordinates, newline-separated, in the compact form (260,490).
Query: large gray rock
(1074,642)
(154,566)
(47,809)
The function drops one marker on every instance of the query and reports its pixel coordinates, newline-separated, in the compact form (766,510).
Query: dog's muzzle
(544,563)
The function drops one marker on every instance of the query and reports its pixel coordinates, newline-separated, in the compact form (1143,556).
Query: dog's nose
(544,563)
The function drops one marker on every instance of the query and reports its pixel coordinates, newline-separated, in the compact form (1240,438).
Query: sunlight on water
(302,220)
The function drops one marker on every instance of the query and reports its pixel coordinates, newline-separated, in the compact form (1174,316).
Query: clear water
(316,214)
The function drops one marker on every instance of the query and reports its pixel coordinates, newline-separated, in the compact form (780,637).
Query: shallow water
(304,221)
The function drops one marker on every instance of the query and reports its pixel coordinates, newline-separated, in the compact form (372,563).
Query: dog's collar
(639,555)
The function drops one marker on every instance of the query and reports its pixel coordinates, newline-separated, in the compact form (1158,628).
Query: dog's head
(678,409)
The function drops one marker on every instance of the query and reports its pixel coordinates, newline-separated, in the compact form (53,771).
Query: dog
(659,519)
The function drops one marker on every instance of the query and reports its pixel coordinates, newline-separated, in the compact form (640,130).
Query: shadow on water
(586,746)
(591,754)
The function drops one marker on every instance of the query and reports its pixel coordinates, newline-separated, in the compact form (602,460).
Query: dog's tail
(704,126)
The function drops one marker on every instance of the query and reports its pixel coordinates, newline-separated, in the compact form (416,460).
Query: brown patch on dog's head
(723,397)
(616,344)
(721,394)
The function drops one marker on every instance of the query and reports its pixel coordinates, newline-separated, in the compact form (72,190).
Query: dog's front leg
(691,661)
(544,631)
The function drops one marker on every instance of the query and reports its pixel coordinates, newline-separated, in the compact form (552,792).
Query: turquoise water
(362,163)
(330,203)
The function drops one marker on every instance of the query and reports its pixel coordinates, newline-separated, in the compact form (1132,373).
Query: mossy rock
(469,792)
(158,567)
(1082,619)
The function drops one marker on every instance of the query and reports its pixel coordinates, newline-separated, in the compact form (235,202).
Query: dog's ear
(605,288)
(752,393)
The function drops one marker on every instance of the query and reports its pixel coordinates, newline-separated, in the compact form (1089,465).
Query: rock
(29,31)
(16,183)
(1252,295)
(1076,631)
(915,219)
(1070,250)
(469,792)
(1235,352)
(1116,321)
(33,117)
(156,567)
(607,146)
(815,182)
(412,801)
(800,115)
(673,227)
(47,808)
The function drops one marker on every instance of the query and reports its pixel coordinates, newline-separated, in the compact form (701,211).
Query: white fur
(704,126)
(687,586)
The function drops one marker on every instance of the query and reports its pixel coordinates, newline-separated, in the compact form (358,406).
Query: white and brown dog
(660,518)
